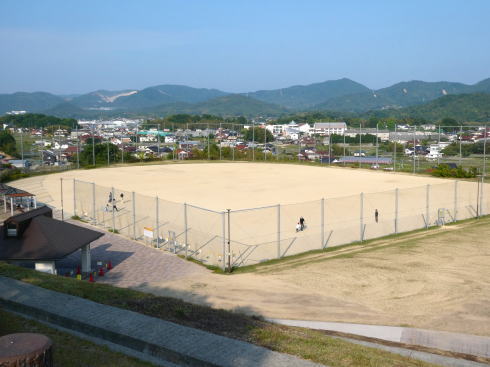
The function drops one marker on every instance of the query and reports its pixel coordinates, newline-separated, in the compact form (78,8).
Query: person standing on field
(376,215)
(302,223)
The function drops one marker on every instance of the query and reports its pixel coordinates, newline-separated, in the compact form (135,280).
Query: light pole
(360,145)
(413,149)
(484,170)
(394,149)
(253,140)
(93,146)
(343,134)
(377,146)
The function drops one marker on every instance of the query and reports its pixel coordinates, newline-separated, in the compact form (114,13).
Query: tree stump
(26,350)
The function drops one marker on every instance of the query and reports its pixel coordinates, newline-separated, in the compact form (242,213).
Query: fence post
(74,198)
(278,231)
(396,210)
(482,196)
(427,200)
(94,213)
(62,209)
(361,221)
(322,221)
(455,200)
(185,228)
(157,227)
(223,224)
(113,213)
(133,196)
(229,240)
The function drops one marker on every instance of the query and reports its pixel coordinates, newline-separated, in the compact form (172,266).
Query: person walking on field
(302,223)
(376,215)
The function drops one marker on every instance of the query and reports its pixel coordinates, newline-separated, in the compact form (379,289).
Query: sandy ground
(219,186)
(436,281)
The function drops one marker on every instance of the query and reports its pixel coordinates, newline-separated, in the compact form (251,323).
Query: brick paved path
(134,263)
(162,339)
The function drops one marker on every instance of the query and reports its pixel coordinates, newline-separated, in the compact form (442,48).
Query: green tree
(86,157)
(7,143)
(449,124)
(258,135)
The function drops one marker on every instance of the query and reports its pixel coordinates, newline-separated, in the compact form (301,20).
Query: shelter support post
(86,260)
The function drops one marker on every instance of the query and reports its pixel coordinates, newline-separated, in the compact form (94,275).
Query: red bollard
(91,278)
(101,272)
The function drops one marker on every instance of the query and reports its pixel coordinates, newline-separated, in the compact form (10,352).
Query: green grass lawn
(309,344)
(68,350)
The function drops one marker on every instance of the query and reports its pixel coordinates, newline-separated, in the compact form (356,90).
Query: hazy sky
(80,46)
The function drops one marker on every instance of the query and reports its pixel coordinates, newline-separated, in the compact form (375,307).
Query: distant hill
(305,96)
(229,105)
(69,110)
(400,95)
(166,94)
(343,95)
(36,120)
(99,98)
(23,101)
(462,107)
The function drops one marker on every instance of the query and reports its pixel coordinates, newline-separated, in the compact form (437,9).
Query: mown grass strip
(304,343)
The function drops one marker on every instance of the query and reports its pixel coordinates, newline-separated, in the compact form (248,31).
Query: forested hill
(35,120)
(462,107)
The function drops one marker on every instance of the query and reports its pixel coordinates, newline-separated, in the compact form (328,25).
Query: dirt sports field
(219,186)
(435,280)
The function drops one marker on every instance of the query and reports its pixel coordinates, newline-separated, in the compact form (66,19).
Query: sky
(66,47)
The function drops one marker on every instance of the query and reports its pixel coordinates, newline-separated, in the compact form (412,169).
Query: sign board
(148,232)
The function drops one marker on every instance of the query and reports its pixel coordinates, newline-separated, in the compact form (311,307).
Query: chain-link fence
(250,236)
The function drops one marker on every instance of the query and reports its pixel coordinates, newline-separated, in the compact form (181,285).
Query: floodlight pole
(394,149)
(413,149)
(344,146)
(438,145)
(330,149)
(484,170)
(377,147)
(360,145)
(460,142)
(220,141)
(78,145)
(209,151)
(93,145)
(253,140)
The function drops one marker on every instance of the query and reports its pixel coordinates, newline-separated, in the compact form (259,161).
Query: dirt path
(434,280)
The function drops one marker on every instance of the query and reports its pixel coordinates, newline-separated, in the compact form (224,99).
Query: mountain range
(343,95)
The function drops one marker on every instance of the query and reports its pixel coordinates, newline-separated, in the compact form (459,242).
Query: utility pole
(377,146)
(414,149)
(93,145)
(394,149)
(253,140)
(360,144)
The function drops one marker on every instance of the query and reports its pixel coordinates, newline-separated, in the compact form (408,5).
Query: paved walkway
(459,343)
(134,263)
(168,341)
